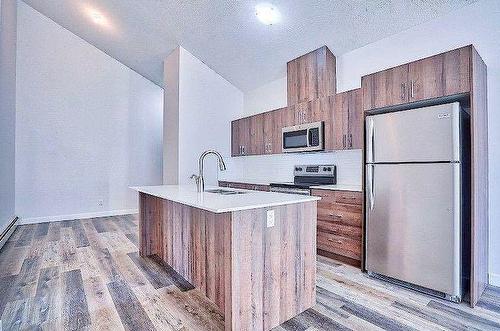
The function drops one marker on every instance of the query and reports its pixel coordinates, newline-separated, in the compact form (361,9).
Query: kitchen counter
(252,254)
(339,187)
(218,203)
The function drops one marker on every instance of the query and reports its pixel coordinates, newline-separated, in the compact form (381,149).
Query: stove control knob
(298,169)
(325,168)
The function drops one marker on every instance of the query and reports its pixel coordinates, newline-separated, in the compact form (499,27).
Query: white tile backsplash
(279,168)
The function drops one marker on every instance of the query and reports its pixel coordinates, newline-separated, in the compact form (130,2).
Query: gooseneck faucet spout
(200,182)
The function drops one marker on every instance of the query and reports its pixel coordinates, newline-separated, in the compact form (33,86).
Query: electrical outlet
(270,218)
(100,203)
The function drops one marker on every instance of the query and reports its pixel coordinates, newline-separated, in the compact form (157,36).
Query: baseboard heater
(8,231)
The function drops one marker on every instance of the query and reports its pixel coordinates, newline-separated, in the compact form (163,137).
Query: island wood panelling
(258,276)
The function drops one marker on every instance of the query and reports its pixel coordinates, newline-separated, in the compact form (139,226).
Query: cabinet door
(302,113)
(311,76)
(385,88)
(288,116)
(341,118)
(256,143)
(272,131)
(244,135)
(355,120)
(440,75)
(322,109)
(235,138)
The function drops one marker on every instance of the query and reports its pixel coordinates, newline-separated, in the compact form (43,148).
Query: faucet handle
(193,176)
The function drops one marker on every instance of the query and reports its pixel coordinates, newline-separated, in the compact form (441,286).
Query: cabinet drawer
(353,232)
(339,245)
(348,197)
(341,214)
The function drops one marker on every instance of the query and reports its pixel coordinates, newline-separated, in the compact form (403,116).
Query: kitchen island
(252,253)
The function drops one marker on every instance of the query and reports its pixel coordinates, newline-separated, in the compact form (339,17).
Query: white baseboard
(45,219)
(6,236)
(494,279)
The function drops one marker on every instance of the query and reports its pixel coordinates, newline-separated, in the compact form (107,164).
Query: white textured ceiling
(227,36)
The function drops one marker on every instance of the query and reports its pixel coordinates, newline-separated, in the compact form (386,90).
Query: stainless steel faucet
(200,182)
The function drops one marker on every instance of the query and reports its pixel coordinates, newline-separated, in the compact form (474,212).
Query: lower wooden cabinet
(339,229)
(244,186)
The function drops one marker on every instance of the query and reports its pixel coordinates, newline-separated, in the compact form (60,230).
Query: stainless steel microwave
(303,138)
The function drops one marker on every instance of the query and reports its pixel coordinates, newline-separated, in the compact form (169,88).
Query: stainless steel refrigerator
(416,201)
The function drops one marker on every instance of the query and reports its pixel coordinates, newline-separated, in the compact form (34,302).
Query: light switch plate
(270,218)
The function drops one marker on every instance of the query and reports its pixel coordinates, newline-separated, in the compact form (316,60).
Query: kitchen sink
(225,192)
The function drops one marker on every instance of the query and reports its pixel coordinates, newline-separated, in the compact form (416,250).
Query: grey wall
(8,32)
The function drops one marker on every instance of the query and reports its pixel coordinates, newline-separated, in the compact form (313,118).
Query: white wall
(87,126)
(8,19)
(477,24)
(206,104)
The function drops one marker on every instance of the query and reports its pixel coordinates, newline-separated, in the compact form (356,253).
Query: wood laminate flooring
(87,275)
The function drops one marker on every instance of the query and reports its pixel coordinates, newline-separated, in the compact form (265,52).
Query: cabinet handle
(350,140)
(403,91)
(240,150)
(343,141)
(412,88)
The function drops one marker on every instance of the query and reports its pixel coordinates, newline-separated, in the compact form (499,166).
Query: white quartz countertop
(339,187)
(218,203)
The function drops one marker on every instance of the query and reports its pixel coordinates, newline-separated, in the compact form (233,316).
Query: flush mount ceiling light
(267,13)
(97,17)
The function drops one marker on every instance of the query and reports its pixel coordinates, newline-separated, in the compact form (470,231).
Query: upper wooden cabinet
(240,137)
(311,76)
(433,77)
(348,121)
(385,88)
(272,131)
(256,143)
(440,75)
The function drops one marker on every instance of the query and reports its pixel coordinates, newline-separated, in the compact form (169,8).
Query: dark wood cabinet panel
(340,218)
(355,121)
(244,135)
(272,131)
(235,138)
(479,180)
(436,76)
(256,143)
(440,75)
(323,109)
(348,121)
(385,88)
(311,76)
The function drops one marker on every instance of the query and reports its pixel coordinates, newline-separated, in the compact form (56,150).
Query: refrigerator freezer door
(413,224)
(429,134)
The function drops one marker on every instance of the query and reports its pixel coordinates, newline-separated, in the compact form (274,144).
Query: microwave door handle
(308,137)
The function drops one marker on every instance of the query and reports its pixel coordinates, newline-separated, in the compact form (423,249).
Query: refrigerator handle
(371,143)
(371,185)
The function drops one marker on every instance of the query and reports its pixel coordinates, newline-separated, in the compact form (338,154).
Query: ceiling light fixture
(267,13)
(97,17)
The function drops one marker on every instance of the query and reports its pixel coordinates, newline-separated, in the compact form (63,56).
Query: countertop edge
(303,199)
